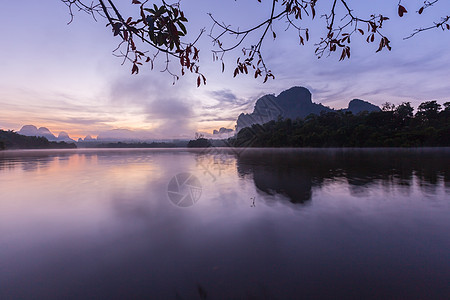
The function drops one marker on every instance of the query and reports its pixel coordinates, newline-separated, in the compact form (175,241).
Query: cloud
(228,107)
(174,117)
(219,119)
(226,99)
(224,95)
(169,110)
(85,121)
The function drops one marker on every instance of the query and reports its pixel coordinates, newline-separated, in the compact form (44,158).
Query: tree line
(394,126)
(12,140)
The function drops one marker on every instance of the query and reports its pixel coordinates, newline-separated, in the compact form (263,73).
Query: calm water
(270,224)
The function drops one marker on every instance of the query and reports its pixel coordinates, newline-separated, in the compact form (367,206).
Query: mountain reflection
(295,172)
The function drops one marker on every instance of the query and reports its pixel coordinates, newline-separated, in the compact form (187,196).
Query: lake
(225,223)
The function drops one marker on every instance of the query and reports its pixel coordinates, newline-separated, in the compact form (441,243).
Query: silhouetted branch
(160,30)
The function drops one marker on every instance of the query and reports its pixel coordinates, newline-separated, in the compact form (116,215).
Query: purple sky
(64,76)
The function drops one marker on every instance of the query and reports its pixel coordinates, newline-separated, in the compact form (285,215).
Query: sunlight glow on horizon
(64,77)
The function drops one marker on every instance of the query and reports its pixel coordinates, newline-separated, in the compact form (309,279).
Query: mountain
(28,130)
(222,130)
(293,103)
(31,130)
(64,137)
(357,106)
(118,135)
(88,138)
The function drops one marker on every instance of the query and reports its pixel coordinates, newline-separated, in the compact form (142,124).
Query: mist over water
(253,223)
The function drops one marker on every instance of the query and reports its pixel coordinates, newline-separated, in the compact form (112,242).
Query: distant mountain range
(293,103)
(31,130)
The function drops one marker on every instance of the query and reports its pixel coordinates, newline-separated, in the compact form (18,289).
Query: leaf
(182,27)
(223,67)
(199,81)
(343,54)
(135,69)
(307,34)
(116,28)
(387,43)
(401,10)
(136,2)
(421,10)
(381,45)
(274,35)
(361,31)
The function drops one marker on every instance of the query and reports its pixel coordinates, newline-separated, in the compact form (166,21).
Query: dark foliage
(397,127)
(161,29)
(136,145)
(199,143)
(12,140)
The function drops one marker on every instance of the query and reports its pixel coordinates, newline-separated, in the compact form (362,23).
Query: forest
(12,140)
(394,126)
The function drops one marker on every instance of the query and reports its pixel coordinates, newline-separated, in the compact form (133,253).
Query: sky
(64,76)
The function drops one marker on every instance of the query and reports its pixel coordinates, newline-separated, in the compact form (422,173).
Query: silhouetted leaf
(343,54)
(401,10)
(135,69)
(116,28)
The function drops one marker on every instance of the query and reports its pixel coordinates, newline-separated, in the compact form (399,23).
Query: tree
(428,110)
(387,106)
(160,29)
(404,112)
(447,106)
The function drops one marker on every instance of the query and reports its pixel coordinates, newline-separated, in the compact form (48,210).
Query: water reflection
(296,172)
(99,224)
